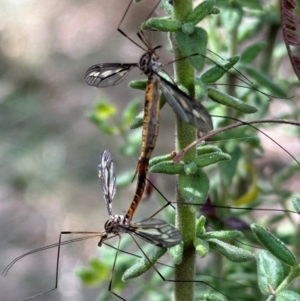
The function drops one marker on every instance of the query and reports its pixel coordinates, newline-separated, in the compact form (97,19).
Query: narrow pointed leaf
(200,223)
(216,72)
(264,81)
(274,245)
(230,101)
(138,84)
(207,149)
(200,12)
(159,159)
(222,234)
(251,52)
(130,111)
(211,158)
(167,167)
(166,24)
(232,253)
(137,121)
(144,264)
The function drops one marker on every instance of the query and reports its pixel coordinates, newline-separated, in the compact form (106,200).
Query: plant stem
(185,134)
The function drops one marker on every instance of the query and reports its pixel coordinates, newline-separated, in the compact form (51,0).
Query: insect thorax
(149,64)
(111,225)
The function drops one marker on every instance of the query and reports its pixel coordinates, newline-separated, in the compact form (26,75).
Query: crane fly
(194,113)
(154,231)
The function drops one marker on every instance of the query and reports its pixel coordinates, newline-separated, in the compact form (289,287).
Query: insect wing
(107,177)
(156,232)
(105,75)
(189,110)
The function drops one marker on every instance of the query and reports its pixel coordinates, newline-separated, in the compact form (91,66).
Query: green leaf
(216,72)
(252,4)
(211,158)
(176,253)
(133,143)
(274,245)
(296,204)
(287,296)
(166,24)
(200,90)
(144,264)
(231,252)
(100,115)
(201,246)
(207,149)
(269,270)
(230,101)
(222,234)
(212,297)
(168,7)
(168,167)
(138,84)
(215,11)
(137,121)
(104,110)
(103,125)
(192,44)
(159,159)
(249,54)
(200,12)
(95,273)
(232,18)
(200,225)
(194,188)
(190,168)
(130,111)
(188,28)
(228,169)
(125,178)
(264,81)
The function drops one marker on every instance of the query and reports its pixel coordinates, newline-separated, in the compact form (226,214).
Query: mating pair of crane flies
(154,231)
(190,111)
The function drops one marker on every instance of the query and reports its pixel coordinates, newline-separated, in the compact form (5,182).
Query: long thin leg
(112,273)
(59,244)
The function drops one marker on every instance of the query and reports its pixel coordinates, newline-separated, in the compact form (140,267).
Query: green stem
(185,134)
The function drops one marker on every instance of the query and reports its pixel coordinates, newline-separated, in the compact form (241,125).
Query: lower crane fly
(152,230)
(194,113)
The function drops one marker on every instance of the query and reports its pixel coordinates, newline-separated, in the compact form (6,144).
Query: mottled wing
(107,177)
(189,110)
(105,75)
(155,231)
